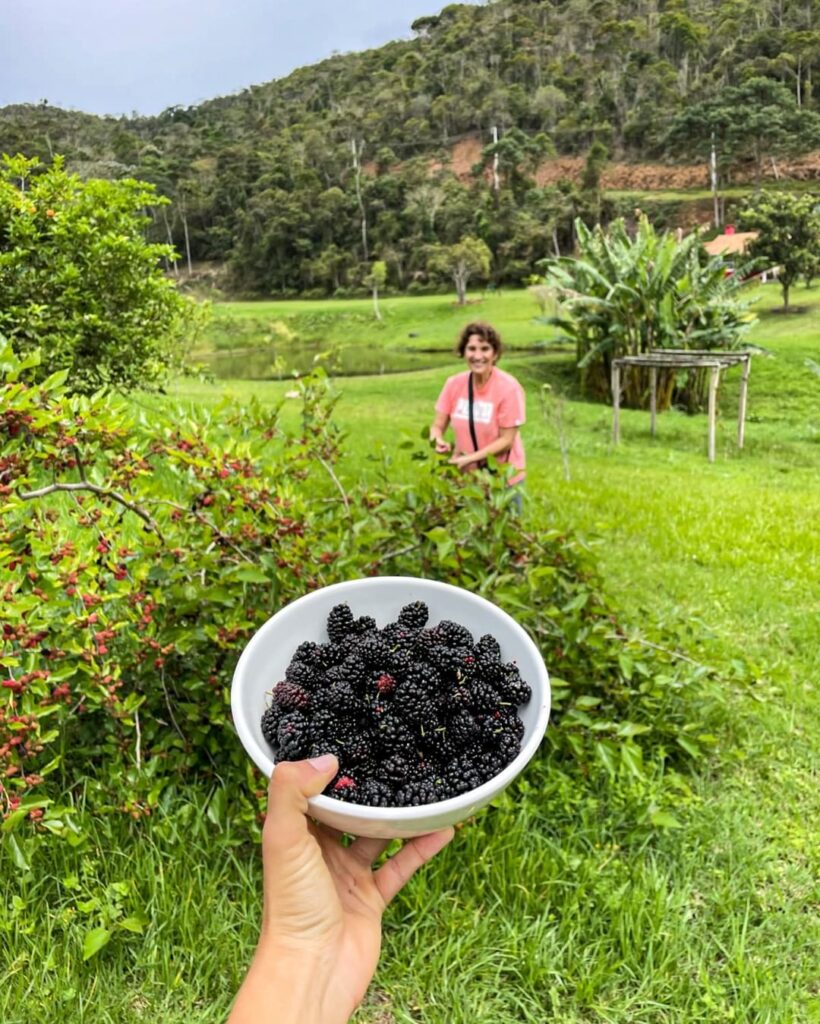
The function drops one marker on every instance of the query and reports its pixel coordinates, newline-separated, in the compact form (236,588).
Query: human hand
(442,446)
(323,905)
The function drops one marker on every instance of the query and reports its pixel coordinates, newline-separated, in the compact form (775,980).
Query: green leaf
(14,819)
(607,755)
(627,729)
(587,702)
(632,760)
(577,603)
(663,819)
(249,574)
(690,746)
(17,854)
(136,923)
(217,807)
(626,664)
(94,941)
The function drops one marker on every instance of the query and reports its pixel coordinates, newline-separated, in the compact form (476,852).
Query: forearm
(497,447)
(438,426)
(283,991)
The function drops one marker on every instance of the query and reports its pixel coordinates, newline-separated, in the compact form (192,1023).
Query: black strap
(483,463)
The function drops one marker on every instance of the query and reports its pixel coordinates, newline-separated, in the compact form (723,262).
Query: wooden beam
(616,403)
(741,413)
(714,377)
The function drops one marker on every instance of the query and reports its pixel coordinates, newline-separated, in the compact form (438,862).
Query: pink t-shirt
(499,403)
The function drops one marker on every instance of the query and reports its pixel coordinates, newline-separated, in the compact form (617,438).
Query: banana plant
(626,295)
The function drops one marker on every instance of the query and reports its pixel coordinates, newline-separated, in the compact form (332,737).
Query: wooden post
(616,403)
(714,376)
(653,398)
(744,387)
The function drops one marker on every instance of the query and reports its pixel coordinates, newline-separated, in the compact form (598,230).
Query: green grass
(700,194)
(553,906)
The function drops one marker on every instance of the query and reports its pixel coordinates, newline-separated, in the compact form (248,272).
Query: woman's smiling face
(480,355)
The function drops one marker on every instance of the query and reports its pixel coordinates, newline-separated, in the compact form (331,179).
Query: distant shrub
(79,283)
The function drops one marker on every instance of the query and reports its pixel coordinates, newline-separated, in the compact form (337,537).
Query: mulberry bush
(140,550)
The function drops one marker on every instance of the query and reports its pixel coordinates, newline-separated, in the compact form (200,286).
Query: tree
(375,280)
(79,282)
(461,261)
(596,161)
(789,234)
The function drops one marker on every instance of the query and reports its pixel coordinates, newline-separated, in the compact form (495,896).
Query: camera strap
(483,463)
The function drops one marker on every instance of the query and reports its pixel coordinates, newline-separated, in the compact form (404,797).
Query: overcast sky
(121,56)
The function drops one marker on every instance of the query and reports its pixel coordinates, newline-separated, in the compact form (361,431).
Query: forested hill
(303,182)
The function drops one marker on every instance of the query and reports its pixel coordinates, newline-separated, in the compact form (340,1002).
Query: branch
(139,740)
(223,537)
(335,480)
(658,647)
(102,492)
(395,554)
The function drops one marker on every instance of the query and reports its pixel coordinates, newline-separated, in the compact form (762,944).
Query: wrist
(295,986)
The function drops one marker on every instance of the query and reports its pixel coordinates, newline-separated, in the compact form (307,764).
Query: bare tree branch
(335,480)
(102,492)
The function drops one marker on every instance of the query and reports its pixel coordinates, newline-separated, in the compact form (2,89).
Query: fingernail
(323,763)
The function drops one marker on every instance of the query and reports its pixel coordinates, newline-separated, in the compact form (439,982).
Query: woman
(484,406)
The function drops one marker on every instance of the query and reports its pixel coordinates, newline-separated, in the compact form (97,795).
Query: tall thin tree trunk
(713,179)
(359,200)
(170,239)
(187,239)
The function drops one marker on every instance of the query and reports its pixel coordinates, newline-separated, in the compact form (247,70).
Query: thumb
(293,782)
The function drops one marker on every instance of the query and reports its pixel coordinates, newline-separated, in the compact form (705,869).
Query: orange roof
(730,244)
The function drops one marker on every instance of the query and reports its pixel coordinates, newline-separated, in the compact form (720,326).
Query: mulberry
(414,615)
(339,622)
(413,713)
(293,736)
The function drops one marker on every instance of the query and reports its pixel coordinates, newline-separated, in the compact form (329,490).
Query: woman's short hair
(484,331)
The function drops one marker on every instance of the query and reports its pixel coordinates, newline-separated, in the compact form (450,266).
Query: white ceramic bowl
(269,651)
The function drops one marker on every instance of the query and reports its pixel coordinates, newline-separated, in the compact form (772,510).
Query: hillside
(504,121)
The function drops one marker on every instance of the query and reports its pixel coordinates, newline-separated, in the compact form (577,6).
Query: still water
(264,362)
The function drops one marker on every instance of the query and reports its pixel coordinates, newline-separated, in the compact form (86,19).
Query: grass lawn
(552,906)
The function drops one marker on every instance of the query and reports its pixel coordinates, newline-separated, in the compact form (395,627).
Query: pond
(267,362)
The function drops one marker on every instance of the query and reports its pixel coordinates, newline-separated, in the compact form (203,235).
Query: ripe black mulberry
(415,713)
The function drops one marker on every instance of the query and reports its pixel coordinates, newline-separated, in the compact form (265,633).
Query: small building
(733,244)
(730,243)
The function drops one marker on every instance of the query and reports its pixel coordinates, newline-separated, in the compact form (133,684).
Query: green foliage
(789,226)
(264,181)
(79,283)
(750,121)
(468,258)
(627,295)
(139,557)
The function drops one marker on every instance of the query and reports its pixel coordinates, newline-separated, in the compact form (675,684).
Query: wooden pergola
(683,359)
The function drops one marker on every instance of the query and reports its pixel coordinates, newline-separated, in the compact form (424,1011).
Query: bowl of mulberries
(432,698)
